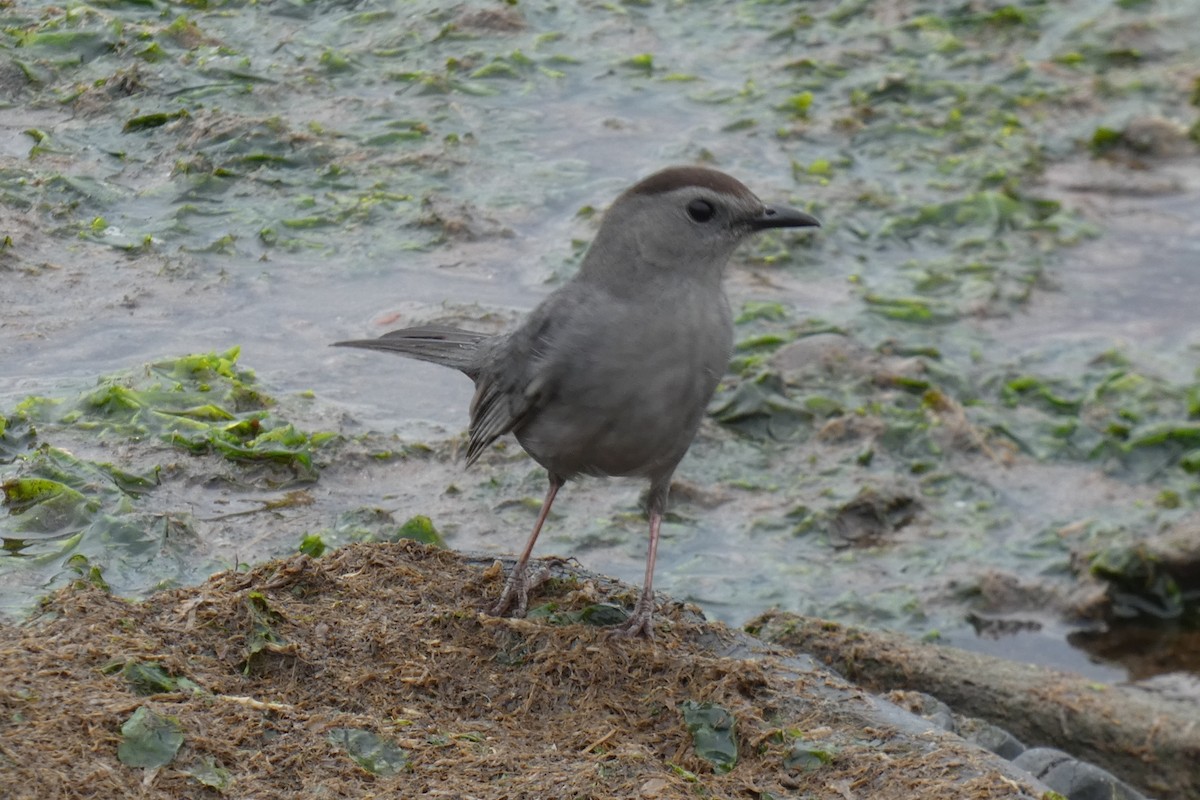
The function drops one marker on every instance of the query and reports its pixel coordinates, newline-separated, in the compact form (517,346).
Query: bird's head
(681,221)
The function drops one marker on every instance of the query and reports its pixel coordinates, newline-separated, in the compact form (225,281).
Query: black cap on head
(672,178)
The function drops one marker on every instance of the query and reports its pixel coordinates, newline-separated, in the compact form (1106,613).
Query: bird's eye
(701,210)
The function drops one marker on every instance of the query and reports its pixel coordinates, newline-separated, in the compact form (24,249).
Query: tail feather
(439,344)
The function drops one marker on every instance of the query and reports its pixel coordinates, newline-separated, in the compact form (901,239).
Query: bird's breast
(629,390)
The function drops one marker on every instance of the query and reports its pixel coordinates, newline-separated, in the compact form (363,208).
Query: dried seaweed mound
(369,672)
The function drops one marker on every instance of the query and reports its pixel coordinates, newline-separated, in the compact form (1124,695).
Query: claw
(641,621)
(521,581)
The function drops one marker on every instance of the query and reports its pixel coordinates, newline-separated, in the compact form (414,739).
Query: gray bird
(611,373)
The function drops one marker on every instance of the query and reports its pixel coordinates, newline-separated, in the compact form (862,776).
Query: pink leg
(641,621)
(516,588)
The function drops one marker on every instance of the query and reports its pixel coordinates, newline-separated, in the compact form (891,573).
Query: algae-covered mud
(963,405)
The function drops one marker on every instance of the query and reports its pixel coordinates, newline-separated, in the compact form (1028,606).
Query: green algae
(149,739)
(202,403)
(371,525)
(948,111)
(714,733)
(376,754)
(69,513)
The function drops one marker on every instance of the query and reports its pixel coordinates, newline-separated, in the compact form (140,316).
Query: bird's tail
(440,344)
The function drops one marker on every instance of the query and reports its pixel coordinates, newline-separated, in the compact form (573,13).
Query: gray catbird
(611,373)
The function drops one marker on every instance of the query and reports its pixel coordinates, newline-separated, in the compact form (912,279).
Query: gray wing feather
(492,416)
(517,374)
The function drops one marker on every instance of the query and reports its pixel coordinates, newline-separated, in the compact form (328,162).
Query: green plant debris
(146,677)
(1181,433)
(148,121)
(375,754)
(1101,415)
(202,403)
(248,440)
(1105,139)
(208,772)
(909,309)
(1028,386)
(66,47)
(264,635)
(149,678)
(69,517)
(805,756)
(46,506)
(685,774)
(1140,585)
(312,545)
(713,731)
(761,407)
(762,341)
(149,739)
(643,62)
(89,574)
(758,310)
(798,105)
(598,614)
(371,525)
(420,528)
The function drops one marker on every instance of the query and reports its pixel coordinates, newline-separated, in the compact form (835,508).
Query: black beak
(783,217)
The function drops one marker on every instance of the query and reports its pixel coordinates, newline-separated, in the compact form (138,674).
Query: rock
(1069,776)
(990,737)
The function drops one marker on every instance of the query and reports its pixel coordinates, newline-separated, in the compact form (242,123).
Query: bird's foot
(514,599)
(641,621)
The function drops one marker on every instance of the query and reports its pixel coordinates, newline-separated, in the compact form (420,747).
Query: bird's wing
(495,412)
(518,374)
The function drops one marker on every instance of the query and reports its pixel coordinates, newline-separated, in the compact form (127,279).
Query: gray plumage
(611,373)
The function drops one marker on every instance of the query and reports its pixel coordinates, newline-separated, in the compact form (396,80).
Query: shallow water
(282,217)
